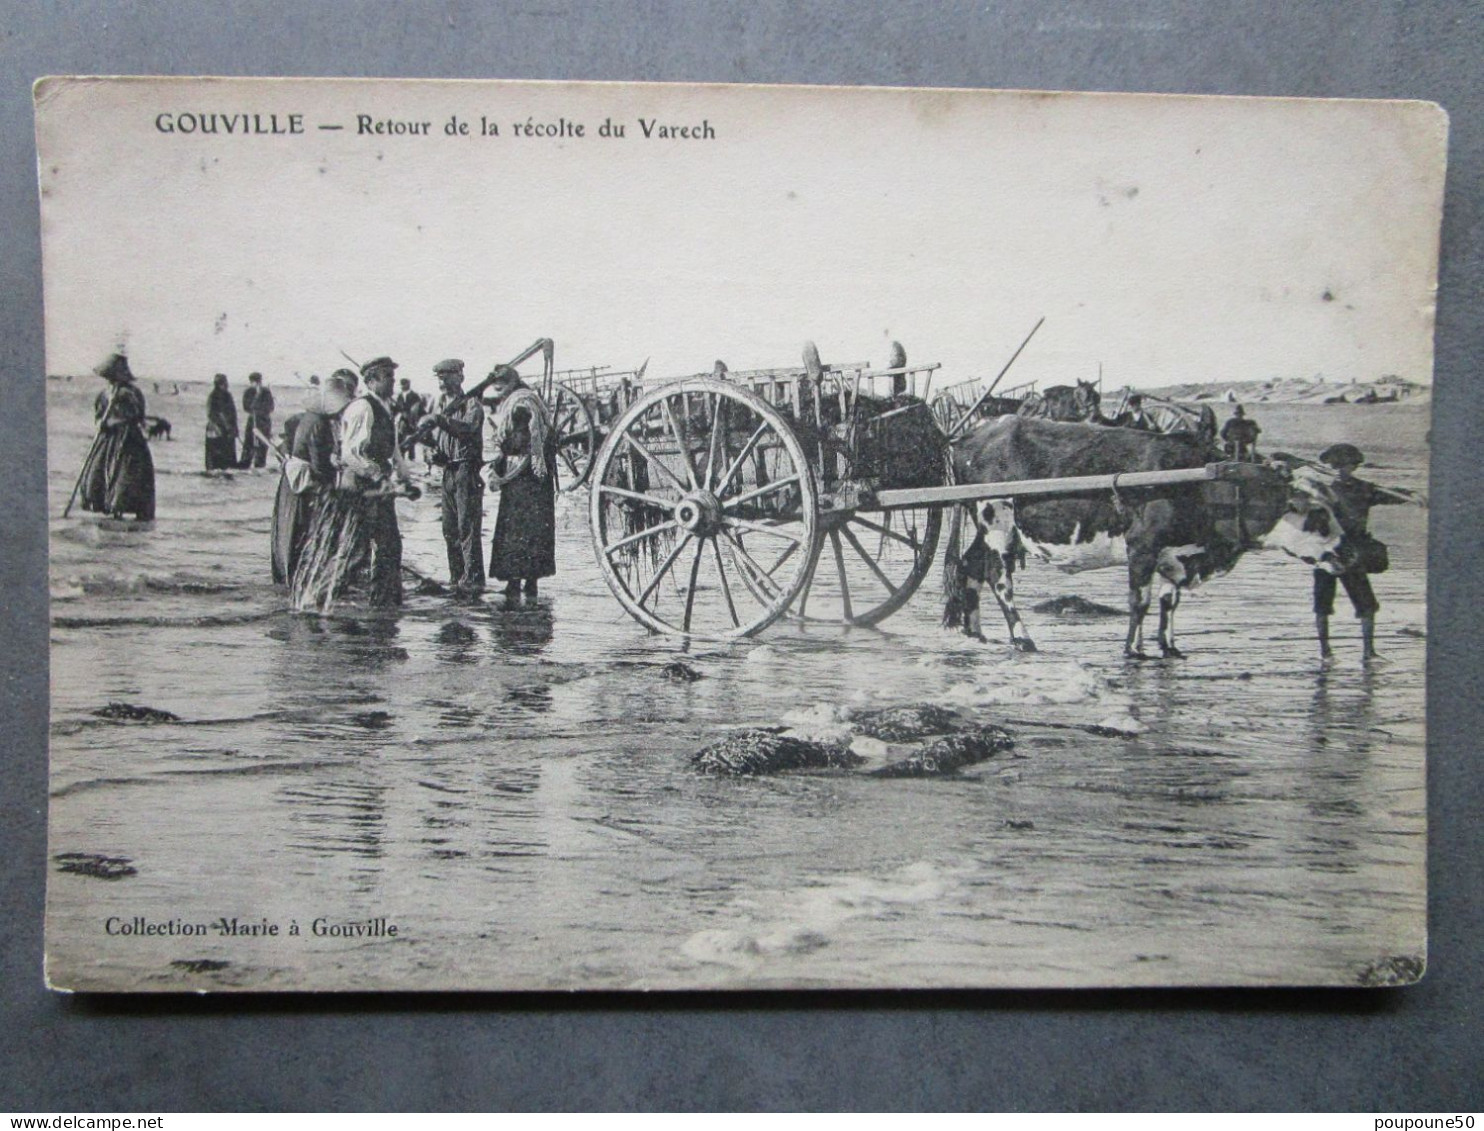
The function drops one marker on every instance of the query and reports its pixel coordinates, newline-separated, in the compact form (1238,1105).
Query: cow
(1170,537)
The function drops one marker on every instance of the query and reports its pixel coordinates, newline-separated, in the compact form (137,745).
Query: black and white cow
(1170,537)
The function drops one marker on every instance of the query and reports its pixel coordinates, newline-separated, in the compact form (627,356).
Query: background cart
(584,404)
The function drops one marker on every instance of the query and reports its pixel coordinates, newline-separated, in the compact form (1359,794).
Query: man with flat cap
(459,424)
(257,421)
(1361,552)
(374,469)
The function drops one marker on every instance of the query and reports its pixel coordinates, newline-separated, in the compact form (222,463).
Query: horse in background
(1066,403)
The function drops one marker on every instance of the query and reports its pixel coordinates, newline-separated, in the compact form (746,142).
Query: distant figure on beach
(257,412)
(408,407)
(221,426)
(524,547)
(1239,436)
(118,478)
(1361,552)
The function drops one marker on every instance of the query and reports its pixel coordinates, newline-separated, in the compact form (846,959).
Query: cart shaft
(1071,485)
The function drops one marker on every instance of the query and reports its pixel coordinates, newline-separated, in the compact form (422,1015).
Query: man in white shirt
(373,466)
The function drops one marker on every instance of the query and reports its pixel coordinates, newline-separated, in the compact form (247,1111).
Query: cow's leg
(1138,605)
(1002,577)
(1143,562)
(1169,601)
(971,611)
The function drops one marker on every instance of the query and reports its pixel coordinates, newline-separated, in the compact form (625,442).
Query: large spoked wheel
(946,411)
(576,436)
(704,511)
(868,564)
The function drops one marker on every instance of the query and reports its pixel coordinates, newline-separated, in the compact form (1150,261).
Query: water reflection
(522,632)
(457,643)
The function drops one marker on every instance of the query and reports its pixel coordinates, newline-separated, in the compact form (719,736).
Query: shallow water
(512,790)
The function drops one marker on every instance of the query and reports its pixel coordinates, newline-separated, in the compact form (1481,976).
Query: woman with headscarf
(309,471)
(119,476)
(221,426)
(524,546)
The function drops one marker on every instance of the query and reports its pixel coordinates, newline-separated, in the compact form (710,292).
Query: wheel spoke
(887,532)
(726,587)
(756,492)
(759,574)
(844,582)
(650,458)
(867,558)
(736,464)
(682,441)
(804,596)
(637,496)
(613,547)
(783,557)
(664,568)
(716,452)
(690,592)
(761,528)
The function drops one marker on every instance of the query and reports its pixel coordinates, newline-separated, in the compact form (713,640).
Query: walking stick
(98,439)
(268,442)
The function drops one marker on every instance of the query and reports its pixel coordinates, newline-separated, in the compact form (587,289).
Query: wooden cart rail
(1071,485)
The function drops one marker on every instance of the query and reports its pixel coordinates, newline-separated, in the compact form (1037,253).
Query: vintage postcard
(523,536)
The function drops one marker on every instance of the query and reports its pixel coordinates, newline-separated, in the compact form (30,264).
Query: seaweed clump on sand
(767,750)
(1075,606)
(678,671)
(199,965)
(130,713)
(906,724)
(950,754)
(95,866)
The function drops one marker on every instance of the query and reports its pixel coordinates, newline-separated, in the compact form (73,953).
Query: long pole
(1073,485)
(540,345)
(966,417)
(98,439)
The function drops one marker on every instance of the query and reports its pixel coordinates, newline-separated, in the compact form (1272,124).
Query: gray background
(1416,1049)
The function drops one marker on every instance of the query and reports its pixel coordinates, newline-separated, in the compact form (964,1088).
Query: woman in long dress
(315,443)
(524,547)
(119,476)
(221,426)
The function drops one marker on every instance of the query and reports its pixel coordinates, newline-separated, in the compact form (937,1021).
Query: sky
(1164,239)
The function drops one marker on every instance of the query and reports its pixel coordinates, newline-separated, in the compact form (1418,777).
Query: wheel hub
(699,513)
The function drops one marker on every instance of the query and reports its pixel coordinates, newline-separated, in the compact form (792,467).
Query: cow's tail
(955,592)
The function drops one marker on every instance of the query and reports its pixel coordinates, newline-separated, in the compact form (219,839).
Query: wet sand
(512,790)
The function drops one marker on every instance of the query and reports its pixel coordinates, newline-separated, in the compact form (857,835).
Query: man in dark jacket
(257,417)
(1239,436)
(1362,554)
(460,452)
